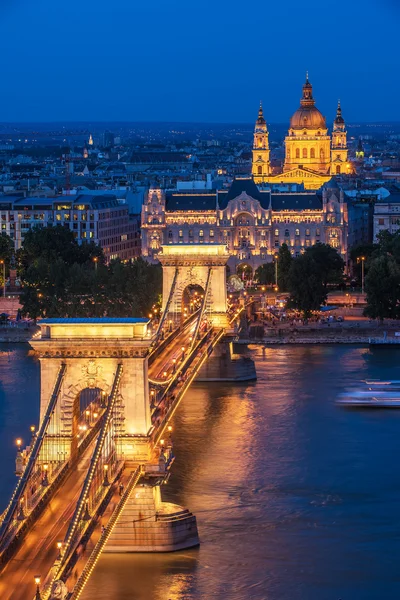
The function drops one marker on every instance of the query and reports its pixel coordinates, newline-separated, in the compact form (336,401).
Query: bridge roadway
(164,362)
(38,550)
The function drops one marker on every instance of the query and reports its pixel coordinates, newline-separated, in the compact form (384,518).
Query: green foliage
(63,279)
(329,264)
(6,249)
(265,274)
(305,284)
(382,285)
(284,264)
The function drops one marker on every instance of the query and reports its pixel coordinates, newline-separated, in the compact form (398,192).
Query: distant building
(92,218)
(252,223)
(312,156)
(107,139)
(387,214)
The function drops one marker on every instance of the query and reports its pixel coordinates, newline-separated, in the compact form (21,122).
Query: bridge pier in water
(224,364)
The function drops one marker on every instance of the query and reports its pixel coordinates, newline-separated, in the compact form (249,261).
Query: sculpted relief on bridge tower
(202,265)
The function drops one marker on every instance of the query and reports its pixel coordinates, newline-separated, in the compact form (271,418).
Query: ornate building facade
(312,156)
(252,223)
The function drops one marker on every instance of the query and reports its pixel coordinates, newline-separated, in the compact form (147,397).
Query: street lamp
(4,277)
(183,352)
(37,581)
(276,270)
(174,365)
(106,481)
(95,260)
(59,546)
(45,480)
(362,260)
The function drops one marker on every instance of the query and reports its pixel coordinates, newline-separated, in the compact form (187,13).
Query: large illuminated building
(252,223)
(312,156)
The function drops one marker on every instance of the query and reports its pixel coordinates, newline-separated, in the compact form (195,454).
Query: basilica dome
(307,116)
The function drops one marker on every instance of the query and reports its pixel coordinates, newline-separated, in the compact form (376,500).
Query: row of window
(297,232)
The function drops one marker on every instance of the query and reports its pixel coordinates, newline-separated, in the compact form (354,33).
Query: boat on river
(376,394)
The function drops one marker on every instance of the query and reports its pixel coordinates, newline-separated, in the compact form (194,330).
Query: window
(297,152)
(337,169)
(180,233)
(190,233)
(322,154)
(211,233)
(307,232)
(201,233)
(287,234)
(259,170)
(308,242)
(312,153)
(170,235)
(297,232)
(277,232)
(381,221)
(304,152)
(317,232)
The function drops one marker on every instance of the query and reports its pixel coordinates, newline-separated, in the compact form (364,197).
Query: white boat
(370,399)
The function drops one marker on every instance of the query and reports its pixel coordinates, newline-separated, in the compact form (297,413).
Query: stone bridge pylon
(202,265)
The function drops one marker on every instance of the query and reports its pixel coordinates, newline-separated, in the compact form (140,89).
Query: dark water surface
(295,498)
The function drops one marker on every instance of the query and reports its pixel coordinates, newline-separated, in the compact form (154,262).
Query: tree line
(306,278)
(61,278)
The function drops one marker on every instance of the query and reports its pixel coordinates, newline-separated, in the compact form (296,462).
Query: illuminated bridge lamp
(59,546)
(33,429)
(174,365)
(165,374)
(87,413)
(95,415)
(37,582)
(170,325)
(183,352)
(45,480)
(150,315)
(18,441)
(106,481)
(162,445)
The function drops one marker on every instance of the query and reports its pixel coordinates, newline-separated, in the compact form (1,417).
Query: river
(295,498)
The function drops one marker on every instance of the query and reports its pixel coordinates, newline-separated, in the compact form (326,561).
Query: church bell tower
(339,150)
(261,161)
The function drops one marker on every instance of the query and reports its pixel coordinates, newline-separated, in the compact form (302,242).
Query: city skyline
(173,63)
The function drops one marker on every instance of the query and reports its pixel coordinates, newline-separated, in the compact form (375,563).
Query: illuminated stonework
(92,349)
(194,264)
(311,155)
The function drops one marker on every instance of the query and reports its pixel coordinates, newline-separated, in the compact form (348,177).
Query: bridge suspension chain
(97,480)
(204,304)
(38,453)
(167,306)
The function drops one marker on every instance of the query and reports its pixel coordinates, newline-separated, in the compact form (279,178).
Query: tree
(329,264)
(307,290)
(284,264)
(382,285)
(265,274)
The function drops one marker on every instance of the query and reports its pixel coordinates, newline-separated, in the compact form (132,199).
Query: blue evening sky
(208,60)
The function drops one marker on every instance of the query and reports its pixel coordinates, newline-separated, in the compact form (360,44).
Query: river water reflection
(294,497)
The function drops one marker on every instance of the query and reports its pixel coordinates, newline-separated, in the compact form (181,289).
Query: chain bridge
(90,479)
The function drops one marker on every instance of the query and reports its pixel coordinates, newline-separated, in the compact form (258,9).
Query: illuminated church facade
(312,155)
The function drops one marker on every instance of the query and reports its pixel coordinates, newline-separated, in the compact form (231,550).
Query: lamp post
(183,353)
(362,260)
(45,480)
(37,581)
(173,365)
(4,277)
(106,481)
(59,546)
(95,260)
(276,270)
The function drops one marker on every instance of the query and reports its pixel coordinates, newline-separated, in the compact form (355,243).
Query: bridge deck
(39,548)
(173,350)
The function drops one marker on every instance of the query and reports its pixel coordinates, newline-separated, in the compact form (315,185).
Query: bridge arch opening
(87,408)
(192,297)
